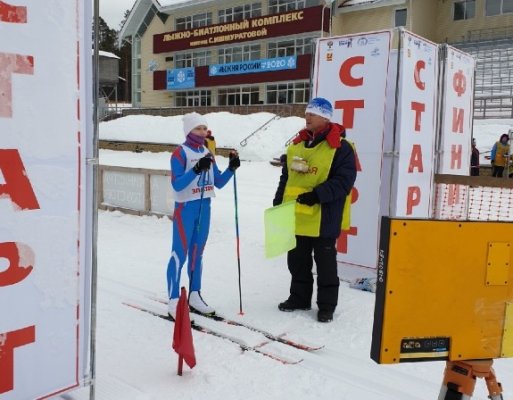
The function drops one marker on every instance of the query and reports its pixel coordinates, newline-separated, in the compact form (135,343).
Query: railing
(493,107)
(244,141)
(489,33)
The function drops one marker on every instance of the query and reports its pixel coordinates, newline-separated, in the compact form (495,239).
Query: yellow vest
(501,155)
(319,160)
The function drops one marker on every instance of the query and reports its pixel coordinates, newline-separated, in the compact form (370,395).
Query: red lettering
(21,261)
(353,230)
(413,199)
(357,161)
(11,64)
(416,159)
(420,65)
(349,106)
(457,119)
(419,108)
(8,342)
(17,185)
(456,154)
(14,14)
(459,83)
(355,194)
(454,194)
(342,239)
(345,71)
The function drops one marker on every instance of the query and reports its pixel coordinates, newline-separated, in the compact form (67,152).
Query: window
(286,93)
(281,6)
(193,98)
(235,54)
(289,48)
(497,7)
(237,96)
(464,10)
(240,12)
(193,21)
(400,17)
(196,59)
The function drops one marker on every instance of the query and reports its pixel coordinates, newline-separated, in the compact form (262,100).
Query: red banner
(264,27)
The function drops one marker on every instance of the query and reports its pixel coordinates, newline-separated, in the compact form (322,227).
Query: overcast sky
(112,11)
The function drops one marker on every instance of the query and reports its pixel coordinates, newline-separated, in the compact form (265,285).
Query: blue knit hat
(320,106)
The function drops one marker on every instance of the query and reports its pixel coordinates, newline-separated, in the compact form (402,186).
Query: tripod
(460,380)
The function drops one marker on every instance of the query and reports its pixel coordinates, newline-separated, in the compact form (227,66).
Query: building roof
(107,54)
(141,8)
(359,5)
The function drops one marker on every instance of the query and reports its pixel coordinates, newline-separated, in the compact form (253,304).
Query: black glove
(203,164)
(234,162)
(276,202)
(309,198)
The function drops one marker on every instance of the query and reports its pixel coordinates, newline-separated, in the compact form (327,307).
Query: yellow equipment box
(444,291)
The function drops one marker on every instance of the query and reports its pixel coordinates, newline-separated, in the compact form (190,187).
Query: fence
(473,198)
(137,191)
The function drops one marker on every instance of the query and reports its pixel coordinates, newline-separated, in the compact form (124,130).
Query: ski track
(322,362)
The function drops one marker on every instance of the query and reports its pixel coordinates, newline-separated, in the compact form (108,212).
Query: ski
(268,335)
(203,329)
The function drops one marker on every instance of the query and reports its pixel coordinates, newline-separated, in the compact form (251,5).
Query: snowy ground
(231,129)
(134,355)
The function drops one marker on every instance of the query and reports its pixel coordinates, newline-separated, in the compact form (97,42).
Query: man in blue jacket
(318,172)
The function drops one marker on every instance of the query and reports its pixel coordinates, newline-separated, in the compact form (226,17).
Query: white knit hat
(193,120)
(320,106)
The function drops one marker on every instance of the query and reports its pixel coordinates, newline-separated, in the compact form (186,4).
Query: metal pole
(94,162)
(237,237)
(399,32)
(322,20)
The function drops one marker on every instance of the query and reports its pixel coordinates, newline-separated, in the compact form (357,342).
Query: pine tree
(125,65)
(107,38)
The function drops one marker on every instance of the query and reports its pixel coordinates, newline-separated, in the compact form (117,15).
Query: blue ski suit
(191,218)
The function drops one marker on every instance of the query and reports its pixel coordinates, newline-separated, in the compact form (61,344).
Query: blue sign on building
(249,67)
(180,78)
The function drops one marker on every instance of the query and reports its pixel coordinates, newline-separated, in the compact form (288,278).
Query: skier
(194,173)
(318,172)
(499,155)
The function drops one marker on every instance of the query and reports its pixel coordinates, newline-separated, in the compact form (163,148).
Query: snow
(107,54)
(134,355)
(230,129)
(176,3)
(349,3)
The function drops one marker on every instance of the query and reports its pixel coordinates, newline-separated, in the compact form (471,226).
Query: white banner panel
(351,72)
(416,126)
(458,87)
(124,189)
(456,131)
(161,195)
(45,107)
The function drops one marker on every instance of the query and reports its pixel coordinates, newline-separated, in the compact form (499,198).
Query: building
(222,53)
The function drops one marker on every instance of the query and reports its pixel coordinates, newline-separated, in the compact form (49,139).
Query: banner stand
(92,166)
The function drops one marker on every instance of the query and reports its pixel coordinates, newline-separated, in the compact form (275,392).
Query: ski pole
(202,181)
(237,237)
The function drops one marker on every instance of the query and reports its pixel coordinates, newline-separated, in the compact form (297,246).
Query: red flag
(182,336)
